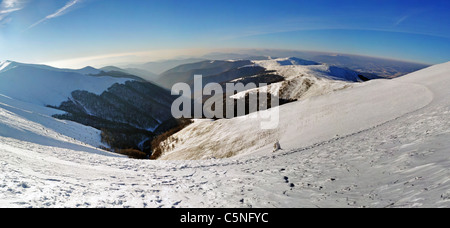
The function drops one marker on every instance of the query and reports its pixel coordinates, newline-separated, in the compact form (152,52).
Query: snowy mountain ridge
(45,85)
(314,68)
(8,64)
(4,65)
(304,79)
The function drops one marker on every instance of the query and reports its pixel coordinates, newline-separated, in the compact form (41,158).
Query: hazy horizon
(124,59)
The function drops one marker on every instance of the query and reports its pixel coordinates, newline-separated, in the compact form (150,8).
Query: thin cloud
(401,20)
(10,3)
(69,5)
(7,7)
(7,11)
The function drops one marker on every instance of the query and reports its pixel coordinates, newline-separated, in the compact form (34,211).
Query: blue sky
(65,30)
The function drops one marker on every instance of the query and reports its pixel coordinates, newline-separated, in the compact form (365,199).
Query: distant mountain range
(131,105)
(222,71)
(387,68)
(116,95)
(159,67)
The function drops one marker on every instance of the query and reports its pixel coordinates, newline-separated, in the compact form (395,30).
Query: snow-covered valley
(383,143)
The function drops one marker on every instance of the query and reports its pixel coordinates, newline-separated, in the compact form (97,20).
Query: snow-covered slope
(305,79)
(309,121)
(7,65)
(383,143)
(294,61)
(306,67)
(33,123)
(302,123)
(44,85)
(4,65)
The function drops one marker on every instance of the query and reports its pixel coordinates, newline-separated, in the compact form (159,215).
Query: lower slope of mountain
(138,104)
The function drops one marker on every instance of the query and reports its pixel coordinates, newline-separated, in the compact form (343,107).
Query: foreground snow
(381,144)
